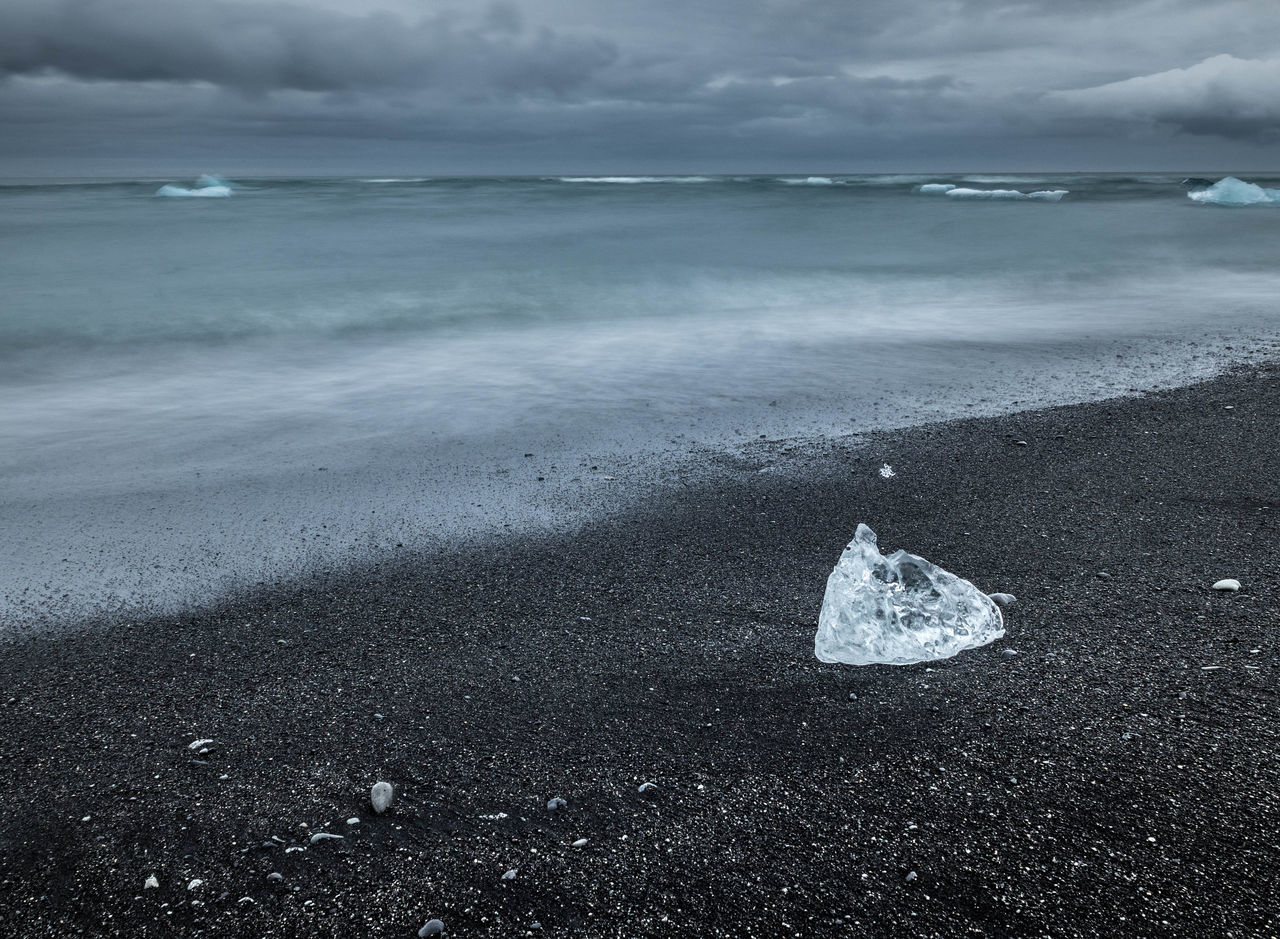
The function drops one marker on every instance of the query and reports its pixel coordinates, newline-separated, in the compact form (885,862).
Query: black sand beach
(1116,777)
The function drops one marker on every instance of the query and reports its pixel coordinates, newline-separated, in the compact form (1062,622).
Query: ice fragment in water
(1232,191)
(899,610)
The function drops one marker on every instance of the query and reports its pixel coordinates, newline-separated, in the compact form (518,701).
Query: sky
(120,87)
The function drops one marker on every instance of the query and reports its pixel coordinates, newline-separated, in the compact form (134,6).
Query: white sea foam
(1043,195)
(202,192)
(397,179)
(635,179)
(1232,191)
(810,181)
(205,187)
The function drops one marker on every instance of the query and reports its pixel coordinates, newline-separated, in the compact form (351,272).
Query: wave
(809,181)
(398,179)
(635,179)
(205,187)
(1232,191)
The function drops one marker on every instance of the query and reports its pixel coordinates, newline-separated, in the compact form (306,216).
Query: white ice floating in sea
(206,187)
(936,187)
(899,610)
(810,181)
(1232,191)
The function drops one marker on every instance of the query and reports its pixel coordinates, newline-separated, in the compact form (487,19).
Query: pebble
(1229,583)
(195,883)
(381,796)
(433,927)
(1020,443)
(580,843)
(276,876)
(1008,653)
(1003,599)
(645,787)
(1104,575)
(912,876)
(151,883)
(353,821)
(510,875)
(324,836)
(556,803)
(197,744)
(853,696)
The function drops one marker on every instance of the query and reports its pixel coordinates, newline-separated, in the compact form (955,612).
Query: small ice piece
(1003,599)
(194,884)
(151,883)
(580,843)
(1009,653)
(199,744)
(964,193)
(433,927)
(510,875)
(353,821)
(275,876)
(325,836)
(886,471)
(645,787)
(937,187)
(912,876)
(1229,583)
(381,796)
(899,610)
(206,192)
(1047,195)
(556,803)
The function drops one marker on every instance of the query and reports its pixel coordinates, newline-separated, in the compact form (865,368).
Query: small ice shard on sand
(194,884)
(325,836)
(645,787)
(275,877)
(151,883)
(1229,583)
(556,803)
(580,843)
(510,875)
(899,610)
(886,471)
(381,796)
(433,927)
(199,744)
(1003,599)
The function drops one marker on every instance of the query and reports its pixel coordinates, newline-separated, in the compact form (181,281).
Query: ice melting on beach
(1232,191)
(206,187)
(899,610)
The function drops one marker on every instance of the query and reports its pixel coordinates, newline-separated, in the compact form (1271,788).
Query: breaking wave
(205,187)
(810,181)
(635,179)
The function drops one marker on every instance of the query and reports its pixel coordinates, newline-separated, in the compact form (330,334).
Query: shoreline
(672,643)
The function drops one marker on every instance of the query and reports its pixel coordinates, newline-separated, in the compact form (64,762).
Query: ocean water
(203,394)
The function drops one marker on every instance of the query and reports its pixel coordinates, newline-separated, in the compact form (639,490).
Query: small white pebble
(381,796)
(276,876)
(852,696)
(353,821)
(510,875)
(911,876)
(151,883)
(1229,583)
(580,843)
(645,787)
(1008,653)
(324,836)
(433,927)
(195,883)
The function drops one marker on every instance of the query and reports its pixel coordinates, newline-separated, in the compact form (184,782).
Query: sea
(214,385)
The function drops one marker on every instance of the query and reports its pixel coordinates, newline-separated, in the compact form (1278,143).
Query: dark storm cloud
(263,47)
(818,81)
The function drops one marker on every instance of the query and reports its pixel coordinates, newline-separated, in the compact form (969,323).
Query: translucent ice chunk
(899,610)
(1232,191)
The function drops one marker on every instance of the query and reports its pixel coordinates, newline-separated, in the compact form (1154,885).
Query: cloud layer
(706,83)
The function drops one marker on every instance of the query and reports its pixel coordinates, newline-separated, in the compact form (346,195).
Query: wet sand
(1117,776)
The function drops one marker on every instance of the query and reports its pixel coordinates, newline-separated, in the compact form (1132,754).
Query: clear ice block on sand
(899,610)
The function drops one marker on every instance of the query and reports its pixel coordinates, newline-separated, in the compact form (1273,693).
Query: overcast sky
(104,87)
